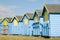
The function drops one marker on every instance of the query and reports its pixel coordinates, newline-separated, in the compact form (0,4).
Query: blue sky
(20,7)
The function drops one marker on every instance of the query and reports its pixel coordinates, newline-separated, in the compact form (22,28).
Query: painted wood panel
(30,27)
(45,29)
(54,25)
(10,28)
(27,29)
(36,29)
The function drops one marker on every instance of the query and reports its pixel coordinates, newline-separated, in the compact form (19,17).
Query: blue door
(45,30)
(36,29)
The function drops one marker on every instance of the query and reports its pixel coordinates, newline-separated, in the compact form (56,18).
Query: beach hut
(27,22)
(14,25)
(51,13)
(4,26)
(37,24)
(20,26)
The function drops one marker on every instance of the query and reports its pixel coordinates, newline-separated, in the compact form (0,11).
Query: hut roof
(53,8)
(9,19)
(2,19)
(19,18)
(29,15)
(39,12)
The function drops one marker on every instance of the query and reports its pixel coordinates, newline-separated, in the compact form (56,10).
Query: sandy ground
(19,37)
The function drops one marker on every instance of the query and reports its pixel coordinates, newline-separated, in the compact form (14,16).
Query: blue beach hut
(4,26)
(51,13)
(27,24)
(15,27)
(36,25)
(20,27)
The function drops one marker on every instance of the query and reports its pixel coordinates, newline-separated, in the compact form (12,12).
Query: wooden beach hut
(14,25)
(51,13)
(4,26)
(27,22)
(37,24)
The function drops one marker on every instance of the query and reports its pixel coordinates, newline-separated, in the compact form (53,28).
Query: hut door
(36,29)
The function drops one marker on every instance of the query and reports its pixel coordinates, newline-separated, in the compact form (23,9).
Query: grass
(19,37)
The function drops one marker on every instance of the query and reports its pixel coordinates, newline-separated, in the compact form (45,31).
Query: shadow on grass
(45,37)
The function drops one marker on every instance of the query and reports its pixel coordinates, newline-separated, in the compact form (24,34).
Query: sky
(11,8)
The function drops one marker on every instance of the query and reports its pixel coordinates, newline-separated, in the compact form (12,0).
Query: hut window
(5,23)
(26,21)
(15,23)
(37,19)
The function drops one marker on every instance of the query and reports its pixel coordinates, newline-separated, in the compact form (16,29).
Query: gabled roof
(2,19)
(18,18)
(53,8)
(29,15)
(39,12)
(9,19)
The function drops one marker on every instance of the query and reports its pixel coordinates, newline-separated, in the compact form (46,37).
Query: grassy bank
(19,37)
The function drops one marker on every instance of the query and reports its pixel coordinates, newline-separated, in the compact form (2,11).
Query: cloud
(4,9)
(7,11)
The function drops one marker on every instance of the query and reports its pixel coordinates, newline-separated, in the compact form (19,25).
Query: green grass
(19,37)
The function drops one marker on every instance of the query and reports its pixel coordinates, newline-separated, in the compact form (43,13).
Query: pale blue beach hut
(27,24)
(51,13)
(37,25)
